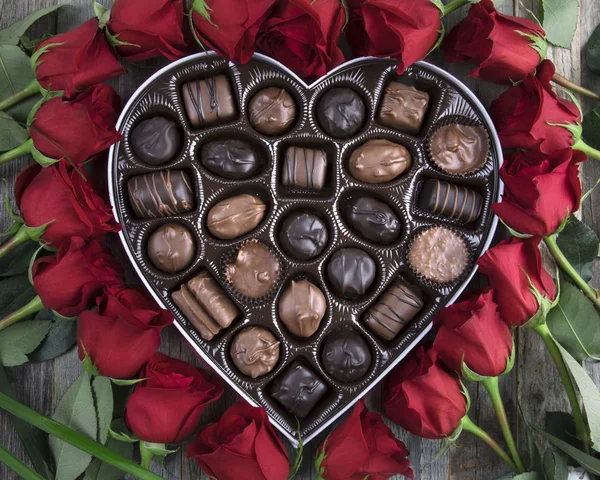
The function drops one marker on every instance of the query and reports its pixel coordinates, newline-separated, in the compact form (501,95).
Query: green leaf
(126,383)
(591,128)
(12,135)
(555,466)
(527,476)
(592,51)
(102,14)
(535,460)
(61,338)
(15,292)
(16,261)
(591,464)
(15,75)
(103,398)
(20,339)
(99,470)
(75,410)
(559,19)
(122,437)
(11,35)
(562,425)
(43,160)
(88,364)
(295,466)
(580,245)
(204,10)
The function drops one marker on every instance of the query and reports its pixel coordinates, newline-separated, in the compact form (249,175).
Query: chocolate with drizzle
(304,168)
(272,111)
(235,216)
(209,101)
(161,194)
(298,389)
(450,200)
(371,219)
(255,351)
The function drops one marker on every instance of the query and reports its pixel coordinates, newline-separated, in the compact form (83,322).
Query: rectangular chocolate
(403,107)
(194,312)
(209,101)
(450,200)
(161,194)
(304,168)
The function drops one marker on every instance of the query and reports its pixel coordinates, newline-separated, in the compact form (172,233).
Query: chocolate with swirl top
(403,107)
(272,111)
(161,194)
(298,389)
(230,158)
(304,168)
(460,149)
(235,216)
(379,161)
(255,351)
(303,235)
(156,140)
(171,248)
(346,356)
(449,200)
(351,272)
(371,219)
(341,112)
(209,101)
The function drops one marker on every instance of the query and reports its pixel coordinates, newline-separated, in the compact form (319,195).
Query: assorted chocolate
(303,235)
(254,271)
(304,168)
(209,101)
(372,219)
(346,356)
(255,351)
(156,140)
(341,112)
(351,272)
(459,149)
(231,158)
(302,306)
(272,111)
(450,200)
(379,161)
(235,216)
(403,107)
(171,248)
(298,389)
(161,194)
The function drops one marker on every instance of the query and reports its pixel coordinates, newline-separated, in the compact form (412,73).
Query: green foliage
(555,467)
(12,134)
(16,262)
(562,426)
(559,19)
(592,51)
(12,34)
(580,245)
(20,339)
(61,338)
(591,464)
(15,292)
(103,471)
(591,128)
(103,400)
(15,75)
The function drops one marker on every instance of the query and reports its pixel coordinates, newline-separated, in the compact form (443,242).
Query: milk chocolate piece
(161,194)
(231,158)
(235,216)
(303,236)
(302,307)
(191,309)
(379,161)
(393,311)
(272,111)
(255,351)
(403,107)
(171,248)
(371,219)
(209,101)
(351,272)
(459,149)
(255,270)
(346,356)
(304,168)
(298,389)
(450,200)
(156,140)
(341,112)
(438,254)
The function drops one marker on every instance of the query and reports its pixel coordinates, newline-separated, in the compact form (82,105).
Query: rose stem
(32,88)
(17,152)
(585,148)
(563,82)
(74,438)
(454,5)
(544,332)
(566,266)
(17,466)
(32,307)
(146,455)
(491,385)
(469,426)
(17,239)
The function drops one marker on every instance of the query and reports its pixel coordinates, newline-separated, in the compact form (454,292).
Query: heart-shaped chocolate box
(450,102)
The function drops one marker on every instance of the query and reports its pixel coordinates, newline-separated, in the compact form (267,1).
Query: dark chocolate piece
(303,236)
(379,161)
(371,219)
(298,389)
(403,107)
(230,158)
(272,111)
(193,311)
(255,351)
(393,311)
(171,248)
(235,216)
(304,168)
(450,200)
(209,101)
(156,140)
(459,149)
(346,356)
(302,307)
(351,272)
(255,270)
(161,194)
(341,112)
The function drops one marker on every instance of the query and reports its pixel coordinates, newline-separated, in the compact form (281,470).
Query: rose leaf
(15,75)
(559,19)
(15,292)
(12,135)
(16,261)
(562,425)
(99,470)
(103,397)
(11,34)
(592,51)
(580,245)
(591,127)
(591,464)
(555,466)
(20,339)
(61,338)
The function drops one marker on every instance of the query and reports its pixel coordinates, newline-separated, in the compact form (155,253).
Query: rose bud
(424,398)
(540,191)
(123,334)
(242,444)
(504,48)
(147,28)
(405,30)
(362,447)
(510,267)
(472,331)
(230,27)
(70,281)
(303,35)
(166,407)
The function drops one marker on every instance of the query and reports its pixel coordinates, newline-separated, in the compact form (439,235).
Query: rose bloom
(524,112)
(405,30)
(233,26)
(510,266)
(363,447)
(497,43)
(540,191)
(472,331)
(70,281)
(77,130)
(303,35)
(123,334)
(424,398)
(76,60)
(153,27)
(241,445)
(167,406)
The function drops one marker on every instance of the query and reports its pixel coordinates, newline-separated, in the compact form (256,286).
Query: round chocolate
(341,112)
(272,111)
(255,351)
(379,161)
(171,248)
(230,158)
(346,356)
(371,219)
(302,307)
(235,216)
(157,140)
(351,272)
(459,149)
(255,270)
(303,236)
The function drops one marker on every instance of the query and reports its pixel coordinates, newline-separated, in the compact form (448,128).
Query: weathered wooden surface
(533,383)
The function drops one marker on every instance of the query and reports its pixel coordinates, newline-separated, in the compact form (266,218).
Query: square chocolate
(209,101)
(403,107)
(304,168)
(298,389)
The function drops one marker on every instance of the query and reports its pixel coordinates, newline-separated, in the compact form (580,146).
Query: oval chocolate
(371,219)
(235,216)
(230,158)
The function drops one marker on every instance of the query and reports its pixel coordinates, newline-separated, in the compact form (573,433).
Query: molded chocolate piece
(255,270)
(191,309)
(235,216)
(171,248)
(459,149)
(230,158)
(302,306)
(371,219)
(298,389)
(255,351)
(304,168)
(303,236)
(161,194)
(403,107)
(449,200)
(351,272)
(156,140)
(379,161)
(346,356)
(272,111)
(209,102)
(341,112)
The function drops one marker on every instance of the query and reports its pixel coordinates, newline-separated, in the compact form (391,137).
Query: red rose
(152,27)
(402,29)
(123,334)
(510,266)
(363,447)
(79,129)
(76,60)
(540,191)
(71,280)
(59,194)
(167,406)
(303,35)
(233,26)
(523,114)
(500,45)
(422,397)
(472,331)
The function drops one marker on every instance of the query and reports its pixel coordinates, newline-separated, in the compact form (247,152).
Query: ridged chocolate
(255,351)
(171,248)
(235,216)
(161,194)
(209,102)
(379,161)
(302,307)
(303,235)
(272,111)
(156,140)
(373,220)
(346,356)
(351,272)
(450,200)
(341,112)
(255,270)
(459,149)
(298,389)
(304,168)
(403,107)
(230,158)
